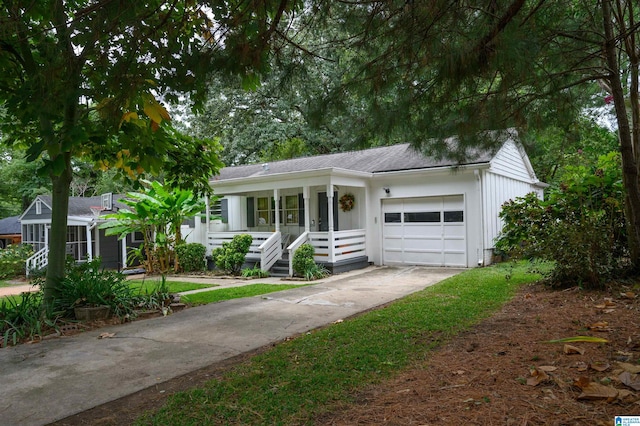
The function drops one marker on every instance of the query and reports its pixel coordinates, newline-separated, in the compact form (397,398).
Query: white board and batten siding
(510,176)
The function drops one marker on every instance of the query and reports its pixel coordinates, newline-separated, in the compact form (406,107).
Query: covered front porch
(283,218)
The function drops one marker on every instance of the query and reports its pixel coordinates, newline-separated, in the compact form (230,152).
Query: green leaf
(586,339)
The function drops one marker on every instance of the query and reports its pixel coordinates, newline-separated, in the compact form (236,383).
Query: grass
(300,379)
(148,286)
(235,293)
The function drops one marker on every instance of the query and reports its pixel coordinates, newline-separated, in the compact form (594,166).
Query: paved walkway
(48,381)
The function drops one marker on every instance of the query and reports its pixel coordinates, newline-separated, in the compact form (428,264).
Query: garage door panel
(425,231)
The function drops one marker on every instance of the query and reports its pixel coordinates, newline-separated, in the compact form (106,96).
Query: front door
(323,213)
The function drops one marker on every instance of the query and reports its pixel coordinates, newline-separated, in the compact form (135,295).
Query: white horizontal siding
(510,162)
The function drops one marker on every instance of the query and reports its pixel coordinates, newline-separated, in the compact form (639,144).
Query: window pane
(263,203)
(392,218)
(422,217)
(291,202)
(292,217)
(263,218)
(455,216)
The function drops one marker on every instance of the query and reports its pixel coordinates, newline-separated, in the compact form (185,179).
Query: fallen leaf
(631,368)
(628,295)
(547,368)
(608,303)
(600,326)
(537,377)
(586,339)
(631,380)
(338,321)
(572,350)
(593,390)
(582,366)
(625,395)
(106,335)
(600,366)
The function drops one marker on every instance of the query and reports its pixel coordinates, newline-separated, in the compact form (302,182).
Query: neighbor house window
(291,210)
(38,207)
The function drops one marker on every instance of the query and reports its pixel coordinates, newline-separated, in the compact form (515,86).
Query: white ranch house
(408,209)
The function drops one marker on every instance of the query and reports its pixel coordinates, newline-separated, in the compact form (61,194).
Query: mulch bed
(502,372)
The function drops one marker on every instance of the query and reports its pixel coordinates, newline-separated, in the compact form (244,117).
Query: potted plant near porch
(89,293)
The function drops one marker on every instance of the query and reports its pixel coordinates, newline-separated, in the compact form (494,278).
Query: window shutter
(251,215)
(300,210)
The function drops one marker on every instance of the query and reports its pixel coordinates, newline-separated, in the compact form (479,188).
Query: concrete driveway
(48,381)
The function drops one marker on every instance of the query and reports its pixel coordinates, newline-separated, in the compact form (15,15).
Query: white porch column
(277,208)
(307,213)
(89,244)
(124,252)
(330,216)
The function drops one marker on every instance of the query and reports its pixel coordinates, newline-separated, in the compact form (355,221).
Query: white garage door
(424,231)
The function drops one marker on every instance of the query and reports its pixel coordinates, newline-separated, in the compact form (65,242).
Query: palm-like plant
(158,213)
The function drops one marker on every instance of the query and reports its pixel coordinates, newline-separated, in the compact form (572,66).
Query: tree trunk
(58,238)
(627,146)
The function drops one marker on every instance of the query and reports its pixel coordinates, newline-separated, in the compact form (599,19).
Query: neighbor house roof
(81,206)
(10,226)
(374,160)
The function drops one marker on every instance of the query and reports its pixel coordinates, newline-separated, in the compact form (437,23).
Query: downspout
(482,224)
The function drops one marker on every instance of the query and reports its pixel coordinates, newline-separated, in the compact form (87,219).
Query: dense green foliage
(230,257)
(13,260)
(83,79)
(157,213)
(87,284)
(191,257)
(301,378)
(580,226)
(305,266)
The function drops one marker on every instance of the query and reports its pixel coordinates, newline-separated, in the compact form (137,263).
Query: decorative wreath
(347,201)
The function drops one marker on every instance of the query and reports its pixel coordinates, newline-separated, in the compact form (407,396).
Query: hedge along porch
(407,208)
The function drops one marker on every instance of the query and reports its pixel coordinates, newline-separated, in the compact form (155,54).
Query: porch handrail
(303,238)
(270,251)
(37,260)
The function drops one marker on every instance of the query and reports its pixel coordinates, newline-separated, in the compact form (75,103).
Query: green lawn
(149,285)
(301,378)
(235,293)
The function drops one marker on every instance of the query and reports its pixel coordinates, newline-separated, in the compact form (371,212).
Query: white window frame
(291,213)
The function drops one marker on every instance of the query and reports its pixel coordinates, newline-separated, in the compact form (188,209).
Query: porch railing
(270,251)
(38,260)
(336,246)
(257,252)
(293,247)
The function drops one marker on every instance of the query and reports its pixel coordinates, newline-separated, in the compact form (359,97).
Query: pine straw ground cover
(501,372)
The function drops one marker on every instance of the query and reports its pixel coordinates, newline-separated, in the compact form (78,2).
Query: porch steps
(281,267)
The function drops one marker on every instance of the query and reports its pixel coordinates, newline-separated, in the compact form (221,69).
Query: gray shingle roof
(374,160)
(81,206)
(10,226)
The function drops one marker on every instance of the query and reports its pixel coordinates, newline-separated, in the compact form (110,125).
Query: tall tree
(83,78)
(441,68)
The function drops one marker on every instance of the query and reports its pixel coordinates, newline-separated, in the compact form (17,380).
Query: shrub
(230,257)
(13,260)
(86,284)
(191,257)
(305,266)
(254,272)
(22,317)
(580,226)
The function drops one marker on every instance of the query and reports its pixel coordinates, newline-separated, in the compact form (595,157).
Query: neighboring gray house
(10,231)
(407,209)
(84,240)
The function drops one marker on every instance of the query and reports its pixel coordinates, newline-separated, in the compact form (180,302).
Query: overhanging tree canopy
(84,78)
